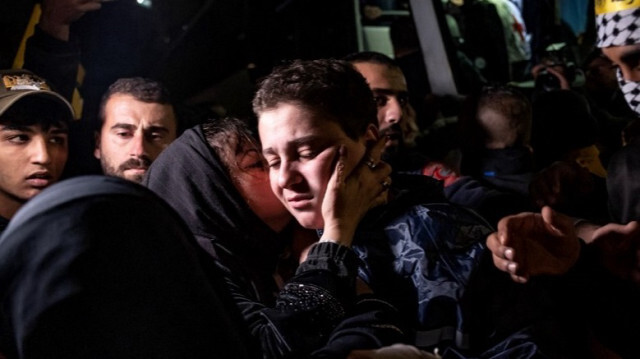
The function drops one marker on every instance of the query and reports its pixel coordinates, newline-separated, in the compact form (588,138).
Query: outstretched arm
(529,244)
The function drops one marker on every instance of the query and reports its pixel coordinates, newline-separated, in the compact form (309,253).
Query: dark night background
(192,45)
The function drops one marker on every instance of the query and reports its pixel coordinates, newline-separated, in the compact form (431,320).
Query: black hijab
(99,267)
(192,179)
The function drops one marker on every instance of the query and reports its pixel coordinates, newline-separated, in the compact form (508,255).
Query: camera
(546,81)
(555,57)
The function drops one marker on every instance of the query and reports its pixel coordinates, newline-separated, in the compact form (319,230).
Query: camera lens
(546,81)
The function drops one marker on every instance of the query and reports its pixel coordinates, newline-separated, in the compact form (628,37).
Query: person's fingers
(502,264)
(508,253)
(376,151)
(382,198)
(339,170)
(92,6)
(383,169)
(508,228)
(536,69)
(519,278)
(617,237)
(383,195)
(632,229)
(88,6)
(499,252)
(337,178)
(372,157)
(493,243)
(557,223)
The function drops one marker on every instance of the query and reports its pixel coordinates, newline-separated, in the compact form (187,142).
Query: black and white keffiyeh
(618,28)
(631,91)
(618,24)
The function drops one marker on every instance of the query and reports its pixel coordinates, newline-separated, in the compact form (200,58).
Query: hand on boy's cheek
(351,194)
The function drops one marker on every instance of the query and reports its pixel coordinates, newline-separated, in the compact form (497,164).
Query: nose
(287,175)
(393,111)
(40,148)
(629,74)
(138,145)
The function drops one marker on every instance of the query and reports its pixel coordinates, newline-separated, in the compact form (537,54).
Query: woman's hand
(351,193)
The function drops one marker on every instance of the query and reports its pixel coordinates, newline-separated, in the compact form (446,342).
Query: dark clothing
(623,184)
(490,202)
(562,122)
(429,259)
(55,60)
(100,267)
(485,40)
(613,114)
(3,224)
(608,303)
(495,182)
(317,313)
(508,169)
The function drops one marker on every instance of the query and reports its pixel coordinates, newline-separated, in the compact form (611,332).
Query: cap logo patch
(24,82)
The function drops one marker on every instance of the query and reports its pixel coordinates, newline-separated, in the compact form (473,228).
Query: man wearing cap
(33,139)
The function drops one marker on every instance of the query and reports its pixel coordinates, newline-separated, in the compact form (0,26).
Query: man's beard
(138,162)
(394,152)
(395,134)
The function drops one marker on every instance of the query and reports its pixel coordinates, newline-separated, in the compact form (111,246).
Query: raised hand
(352,192)
(529,244)
(58,15)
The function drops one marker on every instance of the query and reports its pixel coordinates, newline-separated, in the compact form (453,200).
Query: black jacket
(99,267)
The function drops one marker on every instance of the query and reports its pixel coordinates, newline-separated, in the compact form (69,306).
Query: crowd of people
(325,226)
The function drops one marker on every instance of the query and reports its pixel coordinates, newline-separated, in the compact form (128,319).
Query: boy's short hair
(332,87)
(514,106)
(27,99)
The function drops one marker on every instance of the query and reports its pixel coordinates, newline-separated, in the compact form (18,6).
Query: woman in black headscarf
(99,267)
(214,176)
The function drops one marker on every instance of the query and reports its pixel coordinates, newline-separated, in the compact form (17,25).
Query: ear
(371,135)
(96,150)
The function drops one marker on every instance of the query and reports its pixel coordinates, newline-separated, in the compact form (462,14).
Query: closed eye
(307,154)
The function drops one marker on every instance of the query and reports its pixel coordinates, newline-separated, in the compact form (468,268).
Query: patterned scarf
(618,24)
(631,91)
(618,28)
